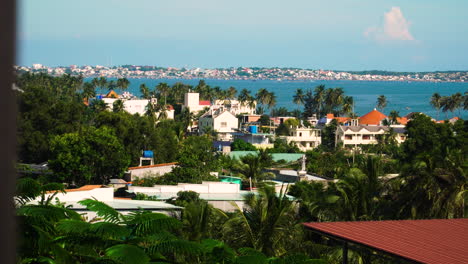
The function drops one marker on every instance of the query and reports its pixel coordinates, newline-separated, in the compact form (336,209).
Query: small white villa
(305,138)
(222,121)
(365,134)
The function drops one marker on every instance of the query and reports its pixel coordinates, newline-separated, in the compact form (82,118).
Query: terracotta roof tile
(204,103)
(374,117)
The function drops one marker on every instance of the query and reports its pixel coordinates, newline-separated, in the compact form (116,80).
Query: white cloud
(395,27)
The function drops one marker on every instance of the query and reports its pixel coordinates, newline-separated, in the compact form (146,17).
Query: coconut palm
(99,105)
(123,83)
(394,115)
(231,92)
(145,92)
(298,97)
(381,102)
(436,101)
(267,224)
(348,105)
(111,85)
(318,99)
(270,99)
(118,106)
(163,89)
(89,90)
(244,96)
(262,96)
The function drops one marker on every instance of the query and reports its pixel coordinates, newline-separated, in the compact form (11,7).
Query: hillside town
(243,73)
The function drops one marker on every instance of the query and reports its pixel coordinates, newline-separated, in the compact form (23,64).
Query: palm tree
(244,96)
(298,98)
(271,99)
(251,167)
(163,89)
(457,99)
(145,92)
(231,92)
(436,101)
(319,98)
(267,224)
(262,96)
(348,105)
(111,85)
(88,90)
(394,115)
(381,102)
(99,106)
(118,106)
(123,83)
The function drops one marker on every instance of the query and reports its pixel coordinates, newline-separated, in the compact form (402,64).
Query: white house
(133,105)
(192,101)
(364,135)
(234,106)
(221,121)
(305,138)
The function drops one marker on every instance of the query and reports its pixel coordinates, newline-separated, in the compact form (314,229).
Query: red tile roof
(342,119)
(374,117)
(330,116)
(152,166)
(402,120)
(426,241)
(170,107)
(204,103)
(82,188)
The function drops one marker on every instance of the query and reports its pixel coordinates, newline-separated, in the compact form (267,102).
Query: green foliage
(239,144)
(281,146)
(88,156)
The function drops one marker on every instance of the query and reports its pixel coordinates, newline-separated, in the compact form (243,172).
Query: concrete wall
(101,194)
(140,172)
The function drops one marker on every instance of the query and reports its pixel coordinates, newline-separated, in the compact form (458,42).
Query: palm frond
(103,210)
(109,230)
(70,226)
(51,213)
(150,223)
(130,254)
(179,247)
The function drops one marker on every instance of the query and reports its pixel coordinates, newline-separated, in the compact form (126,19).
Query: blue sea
(404,97)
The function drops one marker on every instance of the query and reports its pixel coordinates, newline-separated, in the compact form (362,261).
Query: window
(348,137)
(300,134)
(366,137)
(223,124)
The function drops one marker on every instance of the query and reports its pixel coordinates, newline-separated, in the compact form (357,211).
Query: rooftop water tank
(253,129)
(99,97)
(147,153)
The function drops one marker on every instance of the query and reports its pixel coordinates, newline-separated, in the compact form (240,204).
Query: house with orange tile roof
(373,118)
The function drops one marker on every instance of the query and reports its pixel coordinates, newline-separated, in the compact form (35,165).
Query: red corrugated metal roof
(426,241)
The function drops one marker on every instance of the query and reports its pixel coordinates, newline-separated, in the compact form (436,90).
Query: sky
(348,35)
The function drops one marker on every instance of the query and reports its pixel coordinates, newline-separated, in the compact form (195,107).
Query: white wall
(140,172)
(101,194)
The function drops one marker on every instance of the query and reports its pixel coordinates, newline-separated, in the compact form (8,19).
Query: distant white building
(192,101)
(221,121)
(133,105)
(305,138)
(235,107)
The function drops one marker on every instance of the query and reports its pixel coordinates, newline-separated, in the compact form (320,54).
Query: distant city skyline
(342,35)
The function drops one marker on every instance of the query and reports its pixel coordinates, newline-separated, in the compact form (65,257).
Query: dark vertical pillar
(345,253)
(7,130)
